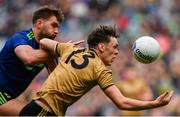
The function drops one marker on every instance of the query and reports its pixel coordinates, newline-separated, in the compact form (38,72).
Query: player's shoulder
(26,34)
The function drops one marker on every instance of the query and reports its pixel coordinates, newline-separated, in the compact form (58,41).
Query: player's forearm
(31,56)
(125,103)
(48,44)
(133,104)
(37,56)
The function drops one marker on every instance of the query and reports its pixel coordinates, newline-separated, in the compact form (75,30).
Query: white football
(146,49)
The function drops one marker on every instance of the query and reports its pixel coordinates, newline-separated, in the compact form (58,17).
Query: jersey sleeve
(62,48)
(18,39)
(104,77)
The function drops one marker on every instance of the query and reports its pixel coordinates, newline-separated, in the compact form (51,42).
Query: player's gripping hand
(76,43)
(164,98)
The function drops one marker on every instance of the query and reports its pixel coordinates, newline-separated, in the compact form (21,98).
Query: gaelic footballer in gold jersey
(81,69)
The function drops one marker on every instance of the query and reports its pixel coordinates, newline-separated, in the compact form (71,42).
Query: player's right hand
(76,43)
(164,98)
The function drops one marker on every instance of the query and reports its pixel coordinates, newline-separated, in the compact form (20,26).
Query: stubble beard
(43,35)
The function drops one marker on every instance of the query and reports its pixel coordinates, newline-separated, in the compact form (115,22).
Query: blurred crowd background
(133,18)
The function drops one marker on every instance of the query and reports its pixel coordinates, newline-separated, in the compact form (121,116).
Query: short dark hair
(46,12)
(101,34)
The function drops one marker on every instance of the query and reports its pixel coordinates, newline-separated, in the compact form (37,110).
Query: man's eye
(55,25)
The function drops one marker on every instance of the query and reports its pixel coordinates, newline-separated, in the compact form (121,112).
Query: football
(146,49)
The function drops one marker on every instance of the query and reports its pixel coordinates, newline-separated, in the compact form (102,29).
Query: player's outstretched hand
(76,43)
(164,98)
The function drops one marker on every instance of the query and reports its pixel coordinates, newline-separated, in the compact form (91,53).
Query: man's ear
(101,47)
(39,23)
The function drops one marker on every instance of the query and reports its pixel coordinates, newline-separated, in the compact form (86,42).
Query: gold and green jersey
(78,71)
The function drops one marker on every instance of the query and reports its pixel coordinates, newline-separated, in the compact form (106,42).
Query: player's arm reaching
(30,55)
(48,44)
(52,45)
(125,103)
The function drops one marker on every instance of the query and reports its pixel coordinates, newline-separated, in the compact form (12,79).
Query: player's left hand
(164,99)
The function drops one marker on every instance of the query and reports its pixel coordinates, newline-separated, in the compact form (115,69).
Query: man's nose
(56,31)
(117,52)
